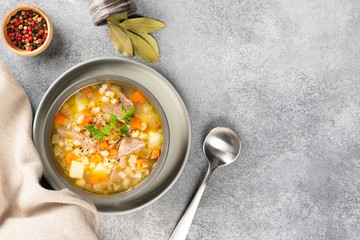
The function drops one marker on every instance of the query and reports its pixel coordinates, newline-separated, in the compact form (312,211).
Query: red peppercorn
(42,30)
(27,12)
(39,41)
(19,38)
(12,27)
(12,34)
(31,48)
(15,42)
(31,38)
(23,37)
(32,23)
(19,35)
(21,21)
(25,31)
(44,36)
(27,40)
(9,34)
(30,32)
(29,28)
(30,19)
(16,29)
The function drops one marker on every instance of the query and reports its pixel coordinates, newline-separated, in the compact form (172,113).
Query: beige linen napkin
(27,210)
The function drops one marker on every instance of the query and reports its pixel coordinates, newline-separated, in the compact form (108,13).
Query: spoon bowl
(221,147)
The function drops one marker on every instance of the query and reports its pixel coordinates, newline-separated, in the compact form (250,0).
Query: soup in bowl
(107,138)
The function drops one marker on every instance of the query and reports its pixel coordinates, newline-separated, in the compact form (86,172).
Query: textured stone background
(284,74)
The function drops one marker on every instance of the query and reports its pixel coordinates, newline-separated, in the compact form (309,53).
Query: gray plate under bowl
(169,104)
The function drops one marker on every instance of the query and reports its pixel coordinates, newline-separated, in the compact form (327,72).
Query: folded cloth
(27,210)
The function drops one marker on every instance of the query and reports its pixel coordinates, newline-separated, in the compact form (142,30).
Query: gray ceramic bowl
(68,92)
(173,113)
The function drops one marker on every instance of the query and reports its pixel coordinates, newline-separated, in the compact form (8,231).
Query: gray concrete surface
(283,73)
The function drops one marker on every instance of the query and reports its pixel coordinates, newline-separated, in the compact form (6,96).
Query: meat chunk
(129,145)
(86,142)
(114,177)
(128,104)
(116,109)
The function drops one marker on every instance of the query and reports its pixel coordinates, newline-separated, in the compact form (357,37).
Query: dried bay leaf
(142,48)
(142,25)
(118,18)
(147,37)
(120,40)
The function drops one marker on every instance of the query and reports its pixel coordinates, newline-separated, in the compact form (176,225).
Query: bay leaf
(118,18)
(120,40)
(142,48)
(142,25)
(147,37)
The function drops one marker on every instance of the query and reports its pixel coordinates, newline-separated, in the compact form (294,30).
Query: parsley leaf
(106,129)
(123,111)
(92,128)
(127,121)
(124,130)
(113,119)
(130,113)
(99,136)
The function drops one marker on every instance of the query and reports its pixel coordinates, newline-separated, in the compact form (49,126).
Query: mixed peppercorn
(27,30)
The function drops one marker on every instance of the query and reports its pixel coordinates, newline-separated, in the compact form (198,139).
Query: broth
(107,138)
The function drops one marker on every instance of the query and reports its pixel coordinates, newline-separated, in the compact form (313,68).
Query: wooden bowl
(8,41)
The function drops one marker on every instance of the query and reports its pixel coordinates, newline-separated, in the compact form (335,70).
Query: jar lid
(100,10)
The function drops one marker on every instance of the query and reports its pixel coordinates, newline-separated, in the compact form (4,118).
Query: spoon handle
(182,228)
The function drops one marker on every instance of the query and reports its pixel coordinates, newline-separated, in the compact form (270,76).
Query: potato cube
(155,140)
(77,169)
(100,170)
(81,103)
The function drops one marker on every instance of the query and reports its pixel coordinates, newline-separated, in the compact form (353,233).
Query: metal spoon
(221,147)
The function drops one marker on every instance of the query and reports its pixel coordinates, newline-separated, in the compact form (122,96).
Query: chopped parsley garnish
(99,134)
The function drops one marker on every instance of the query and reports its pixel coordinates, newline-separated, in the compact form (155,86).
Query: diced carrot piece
(135,122)
(104,179)
(95,158)
(114,152)
(87,113)
(140,162)
(103,145)
(138,97)
(86,121)
(93,180)
(99,126)
(59,118)
(155,154)
(69,157)
(86,91)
